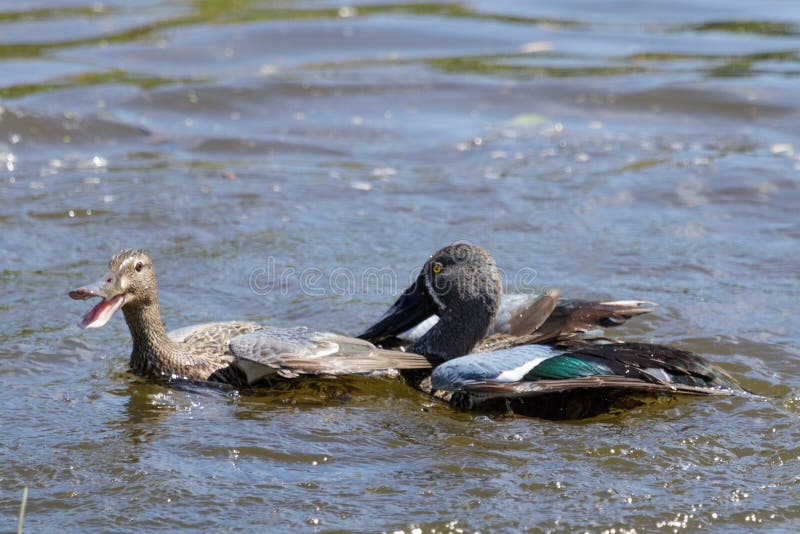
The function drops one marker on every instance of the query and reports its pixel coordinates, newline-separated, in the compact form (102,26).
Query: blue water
(616,149)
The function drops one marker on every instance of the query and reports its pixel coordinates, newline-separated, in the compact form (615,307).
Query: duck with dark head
(544,315)
(564,378)
(459,284)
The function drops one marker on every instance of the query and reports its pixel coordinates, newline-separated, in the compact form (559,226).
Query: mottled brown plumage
(237,353)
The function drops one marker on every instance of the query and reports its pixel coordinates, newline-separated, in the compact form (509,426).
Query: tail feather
(620,311)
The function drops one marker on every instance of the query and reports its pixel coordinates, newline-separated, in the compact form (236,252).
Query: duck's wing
(491,389)
(551,317)
(509,365)
(572,317)
(289,352)
(646,361)
(522,314)
(534,370)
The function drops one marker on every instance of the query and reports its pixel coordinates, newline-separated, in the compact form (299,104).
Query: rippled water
(628,149)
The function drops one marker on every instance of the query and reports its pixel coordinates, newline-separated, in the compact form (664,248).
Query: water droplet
(783,149)
(361,186)
(384,172)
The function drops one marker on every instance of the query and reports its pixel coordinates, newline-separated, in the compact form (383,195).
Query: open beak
(413,307)
(111,299)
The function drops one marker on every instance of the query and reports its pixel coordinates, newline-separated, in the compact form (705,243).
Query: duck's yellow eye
(437,268)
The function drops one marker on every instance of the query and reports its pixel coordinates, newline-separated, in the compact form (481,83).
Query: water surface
(619,149)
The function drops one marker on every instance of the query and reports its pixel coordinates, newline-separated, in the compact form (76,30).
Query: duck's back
(215,336)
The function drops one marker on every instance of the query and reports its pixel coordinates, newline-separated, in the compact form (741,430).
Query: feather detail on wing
(568,320)
(571,317)
(528,318)
(490,389)
(655,363)
(578,364)
(219,332)
(507,365)
(290,352)
(344,363)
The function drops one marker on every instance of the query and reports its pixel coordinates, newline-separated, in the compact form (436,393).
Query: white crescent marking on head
(433,294)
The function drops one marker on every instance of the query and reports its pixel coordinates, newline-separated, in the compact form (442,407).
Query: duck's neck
(153,351)
(457,332)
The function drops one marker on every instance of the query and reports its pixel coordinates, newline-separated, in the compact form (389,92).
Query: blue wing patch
(508,365)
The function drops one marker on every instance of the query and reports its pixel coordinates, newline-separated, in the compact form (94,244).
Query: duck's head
(460,280)
(130,281)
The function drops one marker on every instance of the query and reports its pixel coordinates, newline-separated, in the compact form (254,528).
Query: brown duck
(237,353)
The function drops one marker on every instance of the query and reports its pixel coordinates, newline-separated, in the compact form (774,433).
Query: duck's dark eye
(139,266)
(436,268)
